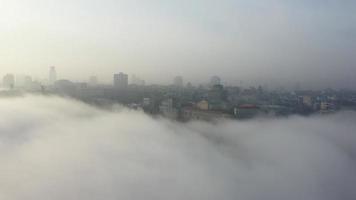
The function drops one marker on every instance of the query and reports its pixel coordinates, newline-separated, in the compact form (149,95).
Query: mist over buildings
(276,42)
(57,148)
(247,67)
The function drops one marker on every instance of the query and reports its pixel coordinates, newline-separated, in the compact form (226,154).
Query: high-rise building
(121,80)
(9,81)
(178,81)
(52,75)
(215,80)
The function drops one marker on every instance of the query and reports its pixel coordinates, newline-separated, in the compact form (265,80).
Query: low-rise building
(205,115)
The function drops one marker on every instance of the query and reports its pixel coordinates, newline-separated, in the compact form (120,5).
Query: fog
(55,148)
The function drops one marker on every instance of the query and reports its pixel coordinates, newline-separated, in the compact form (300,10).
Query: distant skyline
(278,42)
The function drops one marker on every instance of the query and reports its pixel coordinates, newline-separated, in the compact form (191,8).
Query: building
(205,115)
(167,109)
(307,101)
(9,81)
(215,80)
(146,102)
(217,93)
(326,107)
(121,80)
(52,75)
(65,87)
(178,81)
(203,105)
(246,111)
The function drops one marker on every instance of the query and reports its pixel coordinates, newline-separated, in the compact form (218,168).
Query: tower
(121,80)
(52,75)
(215,80)
(178,81)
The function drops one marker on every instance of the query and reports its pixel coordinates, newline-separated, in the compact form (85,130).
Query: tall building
(52,75)
(121,80)
(215,80)
(178,81)
(9,81)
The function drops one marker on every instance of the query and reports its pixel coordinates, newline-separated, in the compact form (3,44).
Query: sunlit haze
(276,42)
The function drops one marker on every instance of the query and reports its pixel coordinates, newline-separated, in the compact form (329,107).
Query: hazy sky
(280,41)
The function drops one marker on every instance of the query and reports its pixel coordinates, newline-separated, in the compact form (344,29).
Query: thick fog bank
(54,149)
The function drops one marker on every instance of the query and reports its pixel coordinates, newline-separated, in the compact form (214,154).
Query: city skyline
(175,81)
(284,41)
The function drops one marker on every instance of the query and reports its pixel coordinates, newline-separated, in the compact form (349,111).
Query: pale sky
(275,41)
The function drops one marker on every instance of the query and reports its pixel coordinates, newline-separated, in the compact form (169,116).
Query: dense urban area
(184,102)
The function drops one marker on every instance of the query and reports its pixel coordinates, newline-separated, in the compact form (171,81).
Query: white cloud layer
(54,148)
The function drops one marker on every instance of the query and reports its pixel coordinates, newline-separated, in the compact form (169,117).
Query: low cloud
(55,148)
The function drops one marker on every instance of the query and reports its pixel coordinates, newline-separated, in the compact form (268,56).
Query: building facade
(121,80)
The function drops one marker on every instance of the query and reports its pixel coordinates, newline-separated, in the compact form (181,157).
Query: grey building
(9,81)
(121,80)
(52,75)
(178,81)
